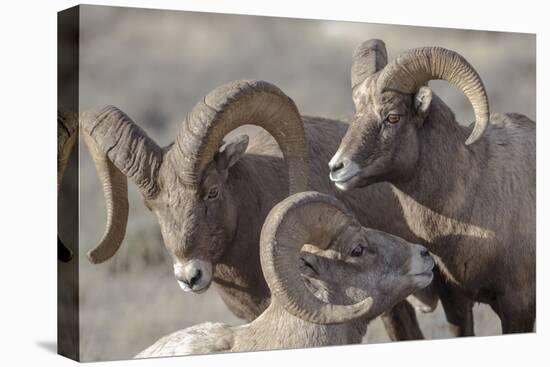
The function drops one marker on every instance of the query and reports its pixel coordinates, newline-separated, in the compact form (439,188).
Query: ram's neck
(256,185)
(277,329)
(437,198)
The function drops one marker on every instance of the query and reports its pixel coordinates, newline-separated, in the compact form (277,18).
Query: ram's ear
(422,101)
(231,152)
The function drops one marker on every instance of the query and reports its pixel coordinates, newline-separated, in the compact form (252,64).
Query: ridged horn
(230,106)
(368,58)
(305,218)
(415,67)
(120,149)
(67,134)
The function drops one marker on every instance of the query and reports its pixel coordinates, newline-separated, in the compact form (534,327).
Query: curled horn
(368,58)
(416,67)
(67,133)
(230,106)
(304,218)
(120,149)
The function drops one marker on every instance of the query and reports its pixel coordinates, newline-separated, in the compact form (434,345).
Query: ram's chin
(423,280)
(346,185)
(358,178)
(202,290)
(356,182)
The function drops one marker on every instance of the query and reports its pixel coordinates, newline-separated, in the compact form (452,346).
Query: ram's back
(204,338)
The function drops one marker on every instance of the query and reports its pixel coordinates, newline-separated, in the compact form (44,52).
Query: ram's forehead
(376,236)
(170,181)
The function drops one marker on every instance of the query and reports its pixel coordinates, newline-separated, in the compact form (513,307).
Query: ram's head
(185,184)
(358,271)
(392,103)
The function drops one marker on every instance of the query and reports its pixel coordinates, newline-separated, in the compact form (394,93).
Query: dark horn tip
(64,254)
(94,258)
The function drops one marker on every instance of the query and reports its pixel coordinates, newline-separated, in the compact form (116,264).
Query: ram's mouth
(186,288)
(345,182)
(425,274)
(349,177)
(337,179)
(424,278)
(429,267)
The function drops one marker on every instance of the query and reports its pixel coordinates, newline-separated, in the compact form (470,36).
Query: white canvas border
(28,162)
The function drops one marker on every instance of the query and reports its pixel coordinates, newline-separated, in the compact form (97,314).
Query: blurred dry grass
(155,65)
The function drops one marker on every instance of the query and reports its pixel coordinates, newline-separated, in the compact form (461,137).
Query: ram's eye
(393,118)
(213,193)
(357,251)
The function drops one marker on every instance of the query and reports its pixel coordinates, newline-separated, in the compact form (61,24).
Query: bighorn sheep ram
(211,201)
(473,203)
(325,296)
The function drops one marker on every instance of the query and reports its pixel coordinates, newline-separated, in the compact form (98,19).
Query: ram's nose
(191,280)
(424,252)
(422,261)
(194,275)
(336,165)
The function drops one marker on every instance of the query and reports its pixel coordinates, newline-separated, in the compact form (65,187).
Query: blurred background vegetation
(155,65)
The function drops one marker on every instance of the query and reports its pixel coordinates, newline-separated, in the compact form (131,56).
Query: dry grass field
(155,65)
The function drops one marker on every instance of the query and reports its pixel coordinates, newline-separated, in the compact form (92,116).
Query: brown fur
(226,231)
(388,270)
(473,206)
